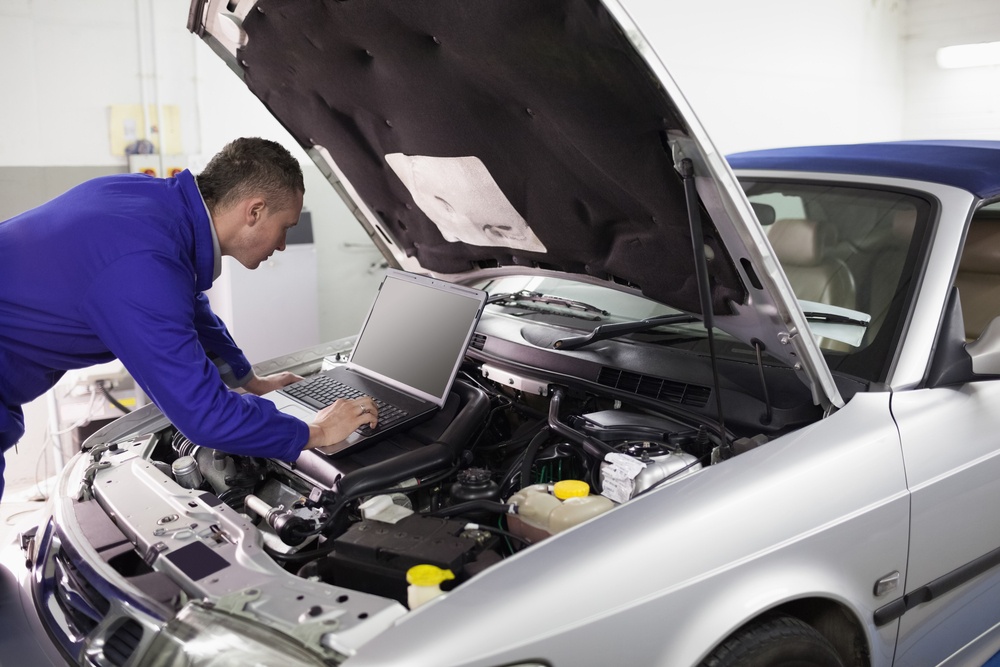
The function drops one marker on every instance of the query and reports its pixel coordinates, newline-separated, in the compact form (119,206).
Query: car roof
(971,165)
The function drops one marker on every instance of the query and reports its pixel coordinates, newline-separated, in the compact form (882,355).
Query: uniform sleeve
(219,344)
(143,307)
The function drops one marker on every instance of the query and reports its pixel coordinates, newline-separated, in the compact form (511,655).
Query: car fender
(819,512)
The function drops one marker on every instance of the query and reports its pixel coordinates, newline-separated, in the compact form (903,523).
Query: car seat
(804,248)
(978,278)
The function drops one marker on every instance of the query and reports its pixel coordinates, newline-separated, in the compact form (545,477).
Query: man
(118,266)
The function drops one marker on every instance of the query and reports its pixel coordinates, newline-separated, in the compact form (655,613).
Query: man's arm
(235,368)
(149,325)
(143,308)
(219,344)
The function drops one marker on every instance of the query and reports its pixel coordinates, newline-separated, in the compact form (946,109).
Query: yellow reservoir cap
(427,575)
(571,488)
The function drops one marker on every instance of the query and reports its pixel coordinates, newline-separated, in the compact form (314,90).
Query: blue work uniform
(117,267)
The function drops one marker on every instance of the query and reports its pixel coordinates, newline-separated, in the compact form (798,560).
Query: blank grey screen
(416,334)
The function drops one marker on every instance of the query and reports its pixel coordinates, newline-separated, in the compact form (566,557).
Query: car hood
(473,140)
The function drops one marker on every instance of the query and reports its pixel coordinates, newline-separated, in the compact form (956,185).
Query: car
(715,412)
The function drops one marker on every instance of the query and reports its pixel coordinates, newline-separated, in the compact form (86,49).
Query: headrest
(890,232)
(799,242)
(982,247)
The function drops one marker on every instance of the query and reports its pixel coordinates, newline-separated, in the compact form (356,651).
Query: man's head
(253,188)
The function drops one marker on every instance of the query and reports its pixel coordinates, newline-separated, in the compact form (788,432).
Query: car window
(847,250)
(978,277)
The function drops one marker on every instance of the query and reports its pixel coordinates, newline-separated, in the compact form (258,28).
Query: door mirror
(956,362)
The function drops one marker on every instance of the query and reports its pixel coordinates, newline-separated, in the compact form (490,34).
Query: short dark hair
(250,166)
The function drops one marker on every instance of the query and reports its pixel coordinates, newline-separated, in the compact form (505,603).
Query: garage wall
(783,72)
(955,103)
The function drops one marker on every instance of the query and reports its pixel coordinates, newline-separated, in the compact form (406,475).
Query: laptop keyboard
(322,390)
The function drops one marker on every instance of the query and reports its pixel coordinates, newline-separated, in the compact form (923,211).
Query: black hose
(592,446)
(102,385)
(529,456)
(471,506)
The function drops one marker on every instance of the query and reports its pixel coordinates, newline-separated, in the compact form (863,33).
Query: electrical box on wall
(153,164)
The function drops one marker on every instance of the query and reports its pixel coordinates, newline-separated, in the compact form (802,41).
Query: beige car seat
(978,278)
(805,250)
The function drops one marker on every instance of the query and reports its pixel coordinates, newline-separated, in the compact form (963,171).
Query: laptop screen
(417,332)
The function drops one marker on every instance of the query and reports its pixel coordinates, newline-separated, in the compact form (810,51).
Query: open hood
(476,139)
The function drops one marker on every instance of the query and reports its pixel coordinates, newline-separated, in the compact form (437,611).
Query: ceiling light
(969,55)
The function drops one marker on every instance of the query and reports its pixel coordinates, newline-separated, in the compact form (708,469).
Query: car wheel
(775,641)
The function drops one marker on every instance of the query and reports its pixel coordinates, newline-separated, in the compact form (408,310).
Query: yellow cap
(570,488)
(427,575)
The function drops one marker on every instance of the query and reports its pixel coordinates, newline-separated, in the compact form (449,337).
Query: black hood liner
(551,96)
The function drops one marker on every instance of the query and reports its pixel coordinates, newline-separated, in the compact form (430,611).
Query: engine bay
(327,547)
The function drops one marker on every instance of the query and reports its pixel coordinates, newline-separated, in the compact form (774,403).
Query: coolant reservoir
(544,510)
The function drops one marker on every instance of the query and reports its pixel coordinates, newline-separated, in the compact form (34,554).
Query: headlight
(200,637)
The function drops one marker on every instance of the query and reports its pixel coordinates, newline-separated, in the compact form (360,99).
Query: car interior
(978,278)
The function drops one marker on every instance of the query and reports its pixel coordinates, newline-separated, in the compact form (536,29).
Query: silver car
(715,413)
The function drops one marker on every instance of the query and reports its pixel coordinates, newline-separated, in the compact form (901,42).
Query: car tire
(775,641)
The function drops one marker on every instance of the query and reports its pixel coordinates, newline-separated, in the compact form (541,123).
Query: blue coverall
(117,267)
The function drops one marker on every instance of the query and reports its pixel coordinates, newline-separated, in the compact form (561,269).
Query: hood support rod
(686,169)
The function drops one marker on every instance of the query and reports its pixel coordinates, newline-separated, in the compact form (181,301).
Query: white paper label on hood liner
(459,195)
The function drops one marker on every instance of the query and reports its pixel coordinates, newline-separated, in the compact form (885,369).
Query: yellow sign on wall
(128,130)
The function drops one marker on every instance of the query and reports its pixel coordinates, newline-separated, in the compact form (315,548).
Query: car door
(951,450)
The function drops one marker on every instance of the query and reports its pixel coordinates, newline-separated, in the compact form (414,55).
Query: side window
(978,278)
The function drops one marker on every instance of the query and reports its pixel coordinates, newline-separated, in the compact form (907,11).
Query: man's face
(265,232)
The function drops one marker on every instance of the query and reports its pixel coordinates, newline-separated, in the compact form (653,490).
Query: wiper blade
(834,318)
(548,299)
(606,331)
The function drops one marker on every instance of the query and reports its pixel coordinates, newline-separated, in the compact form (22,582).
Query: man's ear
(254,209)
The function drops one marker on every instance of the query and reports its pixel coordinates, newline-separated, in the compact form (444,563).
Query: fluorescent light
(969,55)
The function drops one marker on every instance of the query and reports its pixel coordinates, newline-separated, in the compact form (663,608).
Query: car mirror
(765,213)
(956,362)
(985,350)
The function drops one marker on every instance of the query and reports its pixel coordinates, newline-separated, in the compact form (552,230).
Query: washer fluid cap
(571,488)
(427,575)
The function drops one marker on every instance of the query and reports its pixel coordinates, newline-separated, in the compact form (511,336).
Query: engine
(497,469)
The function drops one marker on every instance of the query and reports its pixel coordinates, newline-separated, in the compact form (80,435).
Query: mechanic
(117,267)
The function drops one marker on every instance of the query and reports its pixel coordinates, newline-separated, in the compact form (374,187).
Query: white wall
(783,72)
(956,103)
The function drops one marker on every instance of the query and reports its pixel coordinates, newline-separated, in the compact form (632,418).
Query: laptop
(406,357)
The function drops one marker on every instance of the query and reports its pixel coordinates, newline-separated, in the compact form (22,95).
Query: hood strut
(704,289)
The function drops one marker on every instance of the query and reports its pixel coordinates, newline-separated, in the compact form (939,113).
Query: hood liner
(550,96)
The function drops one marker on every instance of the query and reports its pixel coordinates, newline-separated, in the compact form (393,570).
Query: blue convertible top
(970,165)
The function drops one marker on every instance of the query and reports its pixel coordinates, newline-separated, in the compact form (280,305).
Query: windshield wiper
(548,299)
(833,318)
(606,331)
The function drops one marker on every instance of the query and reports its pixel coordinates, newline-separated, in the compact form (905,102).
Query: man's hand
(262,385)
(335,422)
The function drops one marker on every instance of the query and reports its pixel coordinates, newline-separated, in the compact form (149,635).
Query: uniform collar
(207,256)
(216,249)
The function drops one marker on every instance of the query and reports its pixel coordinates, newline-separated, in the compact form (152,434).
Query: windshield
(850,255)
